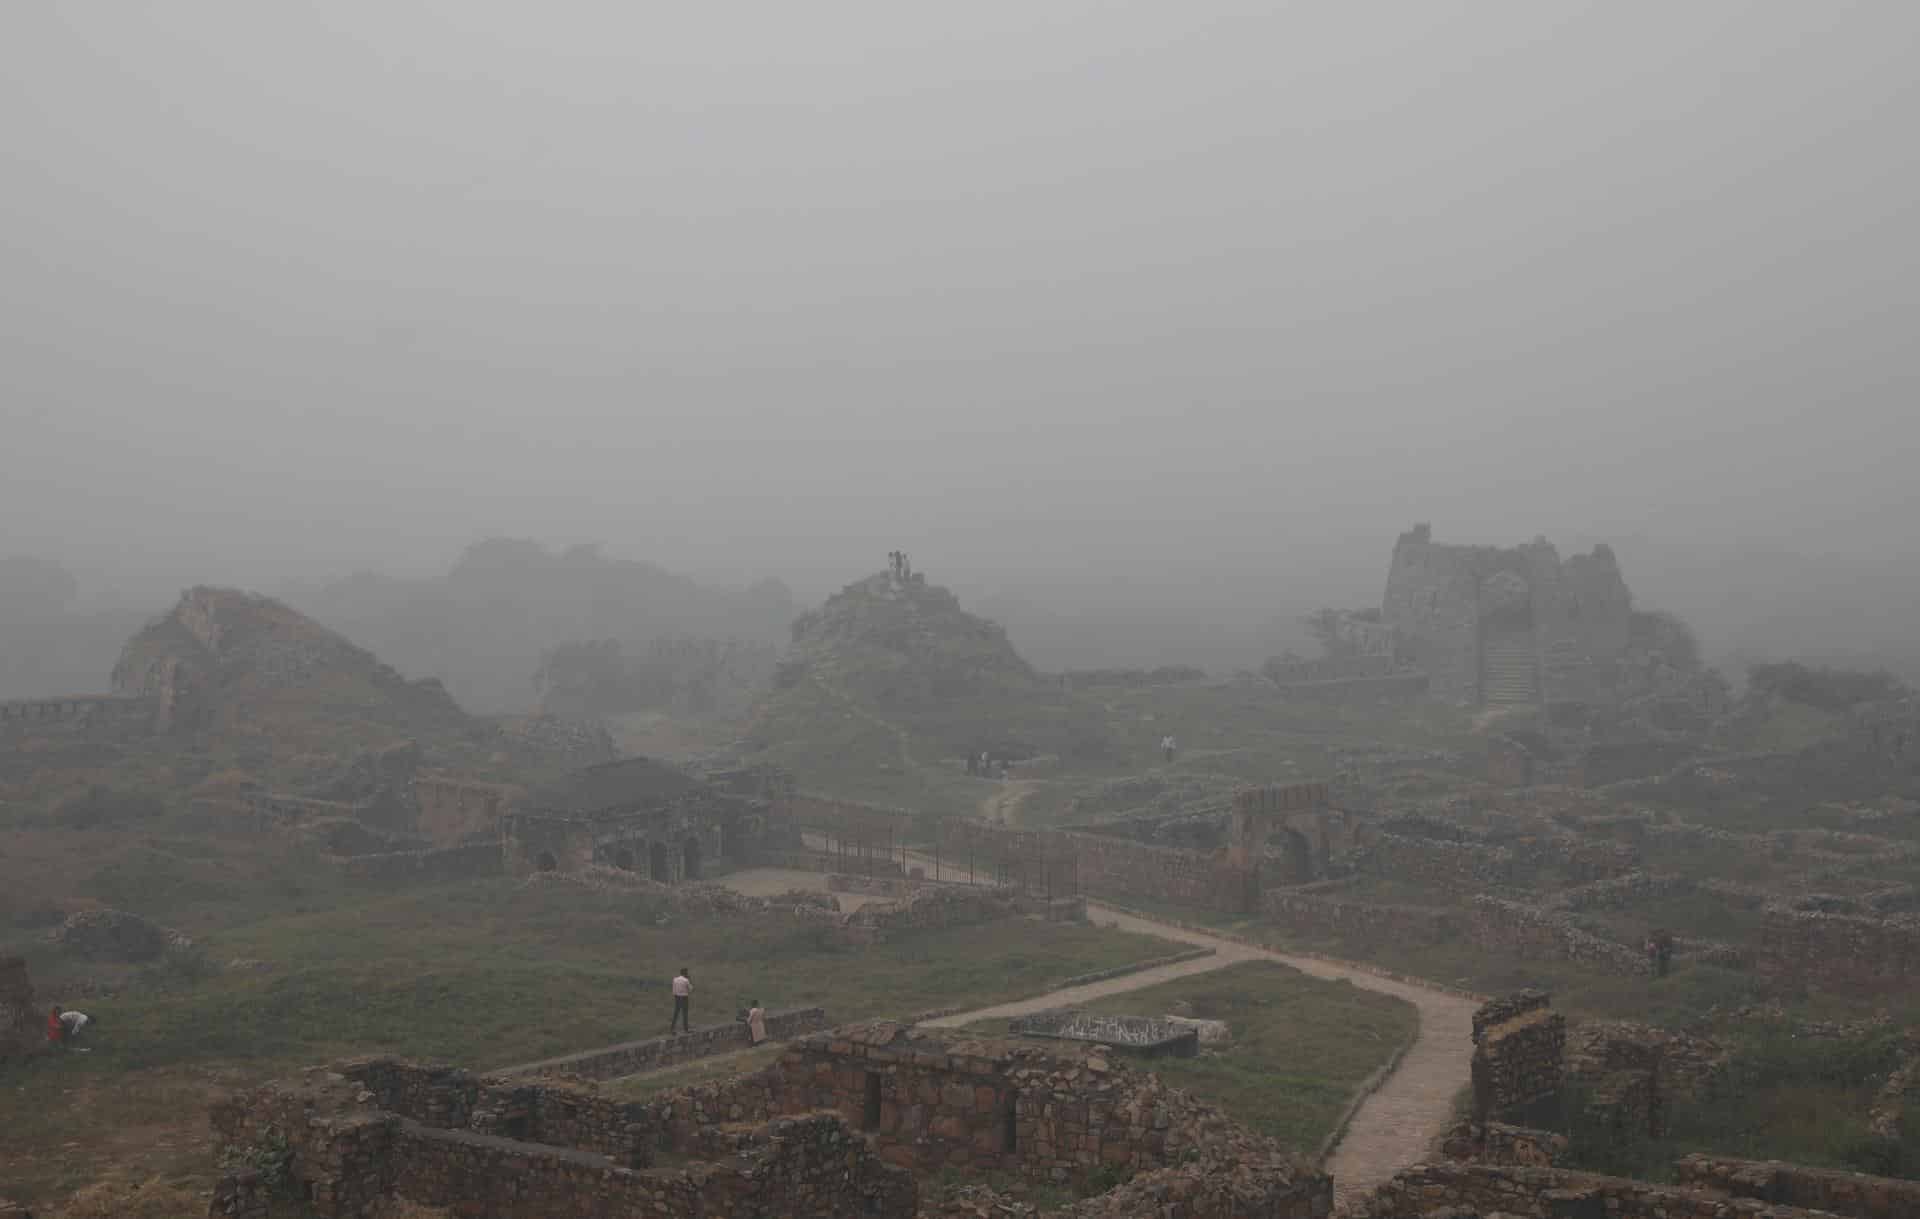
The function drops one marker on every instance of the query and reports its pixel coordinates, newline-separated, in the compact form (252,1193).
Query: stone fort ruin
(1504,625)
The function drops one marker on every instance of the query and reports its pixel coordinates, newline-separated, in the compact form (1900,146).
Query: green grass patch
(484,974)
(1301,1046)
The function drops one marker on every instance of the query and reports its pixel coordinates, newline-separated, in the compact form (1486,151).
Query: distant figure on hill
(1167,746)
(756,1023)
(682,998)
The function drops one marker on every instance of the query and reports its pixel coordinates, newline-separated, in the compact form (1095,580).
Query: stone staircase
(1507,673)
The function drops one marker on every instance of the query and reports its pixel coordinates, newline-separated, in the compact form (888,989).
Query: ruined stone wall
(1499,1143)
(1432,601)
(1519,1053)
(1513,928)
(1617,762)
(1361,922)
(633,1057)
(1842,952)
(349,1154)
(808,1166)
(97,718)
(1825,1189)
(1048,1114)
(1452,1188)
(1450,865)
(426,867)
(453,811)
(1358,690)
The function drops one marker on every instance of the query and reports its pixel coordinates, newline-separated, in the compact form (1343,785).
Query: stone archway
(690,859)
(546,862)
(1296,855)
(659,866)
(623,859)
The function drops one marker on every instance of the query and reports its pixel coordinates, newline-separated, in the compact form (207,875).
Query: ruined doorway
(1010,1123)
(690,857)
(658,866)
(870,1109)
(623,859)
(1296,856)
(546,862)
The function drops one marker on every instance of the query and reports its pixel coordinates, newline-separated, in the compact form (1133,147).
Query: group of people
(682,1020)
(65,1027)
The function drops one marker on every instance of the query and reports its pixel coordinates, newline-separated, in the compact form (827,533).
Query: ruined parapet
(1519,1053)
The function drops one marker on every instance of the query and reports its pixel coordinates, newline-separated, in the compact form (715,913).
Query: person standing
(756,1023)
(1167,747)
(682,1000)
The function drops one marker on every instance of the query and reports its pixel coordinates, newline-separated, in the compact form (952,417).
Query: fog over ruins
(1211,611)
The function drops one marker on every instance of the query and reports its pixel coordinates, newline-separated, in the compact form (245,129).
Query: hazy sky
(771,288)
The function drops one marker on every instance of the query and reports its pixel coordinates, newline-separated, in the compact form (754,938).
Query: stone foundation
(1146,1036)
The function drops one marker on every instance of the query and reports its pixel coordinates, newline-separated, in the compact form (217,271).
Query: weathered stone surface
(1519,1052)
(115,935)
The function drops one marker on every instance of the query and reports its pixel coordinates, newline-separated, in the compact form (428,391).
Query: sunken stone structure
(1146,1036)
(1494,625)
(834,1128)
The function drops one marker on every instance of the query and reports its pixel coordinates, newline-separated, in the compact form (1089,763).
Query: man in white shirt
(682,996)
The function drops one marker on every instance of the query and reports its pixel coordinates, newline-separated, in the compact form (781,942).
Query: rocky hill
(224,662)
(903,643)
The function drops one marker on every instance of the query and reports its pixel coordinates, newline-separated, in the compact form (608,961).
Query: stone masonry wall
(1841,952)
(1432,861)
(348,1156)
(1513,928)
(1362,922)
(1843,1193)
(453,811)
(1519,1054)
(1460,1190)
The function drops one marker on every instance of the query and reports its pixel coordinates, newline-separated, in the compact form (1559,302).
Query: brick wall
(1448,864)
(1516,929)
(454,810)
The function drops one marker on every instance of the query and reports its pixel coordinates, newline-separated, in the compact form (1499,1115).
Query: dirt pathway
(1003,807)
(1392,1128)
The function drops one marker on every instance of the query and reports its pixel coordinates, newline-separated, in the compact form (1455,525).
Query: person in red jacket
(56,1027)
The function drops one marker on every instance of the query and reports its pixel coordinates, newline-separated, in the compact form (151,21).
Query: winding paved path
(1392,1128)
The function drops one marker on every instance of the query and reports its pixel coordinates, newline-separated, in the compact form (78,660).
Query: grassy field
(484,974)
(1301,1046)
